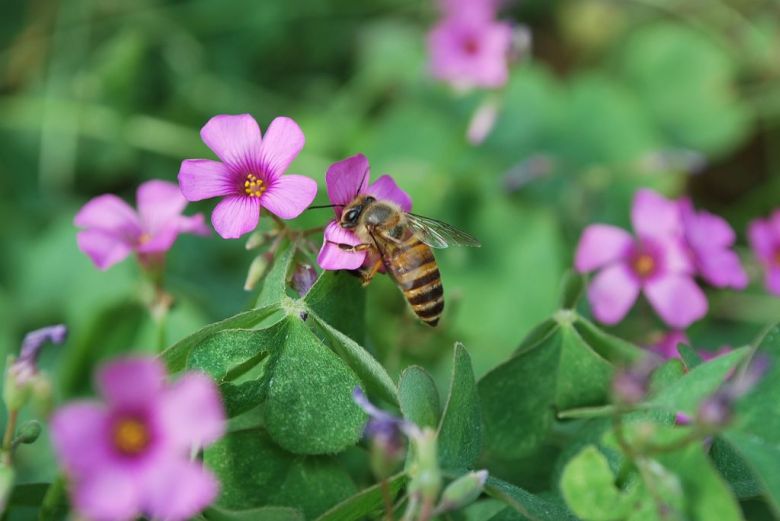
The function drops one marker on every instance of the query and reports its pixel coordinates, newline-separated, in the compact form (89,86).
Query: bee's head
(351,213)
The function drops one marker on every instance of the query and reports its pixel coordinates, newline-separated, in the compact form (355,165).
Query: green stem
(8,437)
(53,501)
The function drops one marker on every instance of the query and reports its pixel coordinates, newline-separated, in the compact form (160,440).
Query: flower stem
(387,499)
(8,437)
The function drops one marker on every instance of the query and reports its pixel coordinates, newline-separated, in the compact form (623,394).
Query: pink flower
(654,262)
(710,239)
(346,180)
(250,175)
(470,51)
(131,455)
(667,347)
(764,236)
(113,229)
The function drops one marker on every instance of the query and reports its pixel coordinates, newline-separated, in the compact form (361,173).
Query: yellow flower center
(253,186)
(777,257)
(144,238)
(643,265)
(130,436)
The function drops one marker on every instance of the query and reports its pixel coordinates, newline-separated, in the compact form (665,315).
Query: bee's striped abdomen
(417,274)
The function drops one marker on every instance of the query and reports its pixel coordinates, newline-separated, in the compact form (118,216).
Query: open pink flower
(710,241)
(764,236)
(654,262)
(251,174)
(113,229)
(131,455)
(667,347)
(347,179)
(470,51)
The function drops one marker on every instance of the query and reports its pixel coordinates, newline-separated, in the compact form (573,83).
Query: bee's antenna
(357,192)
(323,206)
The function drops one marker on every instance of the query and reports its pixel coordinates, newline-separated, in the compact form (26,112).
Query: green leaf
(175,357)
(588,485)
(275,282)
(371,372)
(309,408)
(460,430)
(537,335)
(689,356)
(572,289)
(419,397)
(29,494)
(610,347)
(215,513)
(338,299)
(527,504)
(254,472)
(734,469)
(366,503)
(764,458)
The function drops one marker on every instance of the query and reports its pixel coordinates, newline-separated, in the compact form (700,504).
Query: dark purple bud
(386,434)
(718,409)
(303,278)
(631,384)
(34,341)
(682,418)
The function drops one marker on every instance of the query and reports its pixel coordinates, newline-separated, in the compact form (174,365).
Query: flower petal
(192,411)
(289,196)
(762,239)
(235,216)
(283,141)
(331,257)
(159,204)
(652,215)
(131,381)
(677,299)
(108,496)
(705,230)
(109,213)
(667,346)
(179,490)
(723,269)
(612,293)
(386,188)
(601,244)
(104,248)
(773,280)
(195,224)
(79,433)
(203,179)
(235,139)
(347,178)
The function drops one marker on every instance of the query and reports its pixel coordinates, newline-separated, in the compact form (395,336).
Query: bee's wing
(437,234)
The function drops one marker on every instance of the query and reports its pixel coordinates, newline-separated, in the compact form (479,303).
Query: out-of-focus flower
(632,383)
(478,9)
(303,278)
(131,455)
(250,175)
(113,229)
(710,239)
(386,433)
(667,347)
(764,236)
(482,122)
(529,169)
(470,51)
(462,492)
(655,262)
(22,376)
(718,409)
(347,179)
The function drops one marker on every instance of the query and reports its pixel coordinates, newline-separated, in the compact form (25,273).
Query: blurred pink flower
(470,51)
(764,236)
(478,9)
(654,262)
(347,179)
(131,455)
(710,239)
(250,175)
(667,347)
(113,229)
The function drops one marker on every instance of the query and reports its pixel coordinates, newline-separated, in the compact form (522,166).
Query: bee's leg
(352,248)
(367,274)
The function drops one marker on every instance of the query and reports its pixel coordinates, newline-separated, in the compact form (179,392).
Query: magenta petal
(108,496)
(103,248)
(652,215)
(331,257)
(282,143)
(79,433)
(192,411)
(235,140)
(677,299)
(666,348)
(289,196)
(612,293)
(159,203)
(762,239)
(599,245)
(347,178)
(108,212)
(131,381)
(178,490)
(773,280)
(203,179)
(723,269)
(195,224)
(161,241)
(235,216)
(386,188)
(676,257)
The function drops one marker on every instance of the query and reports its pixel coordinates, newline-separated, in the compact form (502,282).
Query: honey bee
(402,242)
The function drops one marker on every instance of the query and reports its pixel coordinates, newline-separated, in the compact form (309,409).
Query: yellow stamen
(644,265)
(253,186)
(130,436)
(144,238)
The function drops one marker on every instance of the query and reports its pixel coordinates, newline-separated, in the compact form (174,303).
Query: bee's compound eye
(352,215)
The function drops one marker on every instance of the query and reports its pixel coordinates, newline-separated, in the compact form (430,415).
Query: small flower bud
(28,433)
(22,377)
(426,476)
(255,240)
(257,271)
(303,278)
(462,492)
(631,384)
(385,432)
